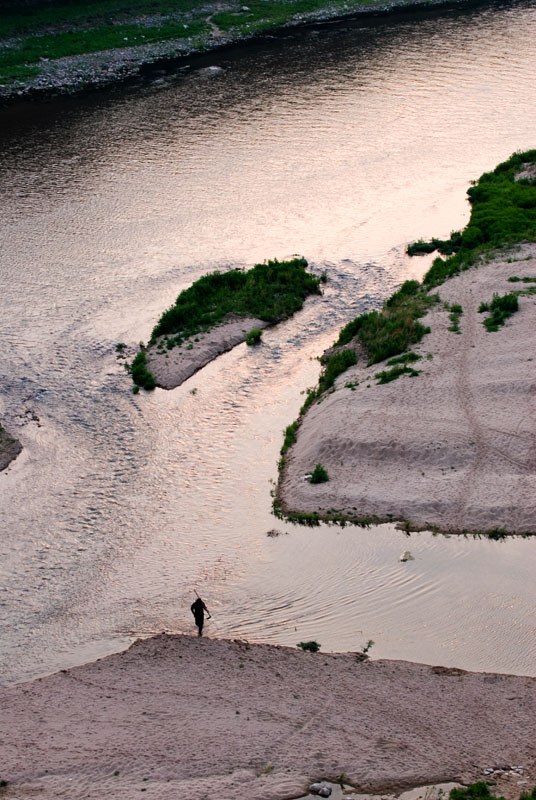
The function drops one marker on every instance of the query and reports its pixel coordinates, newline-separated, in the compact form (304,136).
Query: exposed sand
(182,717)
(177,365)
(9,448)
(455,447)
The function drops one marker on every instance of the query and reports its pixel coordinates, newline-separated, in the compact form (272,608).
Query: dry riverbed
(451,448)
(177,716)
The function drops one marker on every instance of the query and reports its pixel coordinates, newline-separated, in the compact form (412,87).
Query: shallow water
(341,145)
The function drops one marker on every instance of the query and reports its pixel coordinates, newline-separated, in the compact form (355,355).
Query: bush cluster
(395,327)
(140,374)
(500,309)
(319,474)
(254,337)
(272,291)
(503,211)
(445,246)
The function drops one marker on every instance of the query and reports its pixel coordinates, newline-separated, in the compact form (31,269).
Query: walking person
(198,609)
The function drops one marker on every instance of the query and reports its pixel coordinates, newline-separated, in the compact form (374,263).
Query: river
(342,145)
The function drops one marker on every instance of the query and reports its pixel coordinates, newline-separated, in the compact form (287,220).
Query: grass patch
(254,337)
(272,291)
(290,436)
(334,366)
(481,791)
(515,279)
(18,59)
(500,309)
(140,374)
(391,330)
(455,313)
(503,211)
(319,474)
(406,358)
(388,375)
(445,246)
(310,647)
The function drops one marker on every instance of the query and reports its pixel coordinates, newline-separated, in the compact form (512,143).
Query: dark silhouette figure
(198,609)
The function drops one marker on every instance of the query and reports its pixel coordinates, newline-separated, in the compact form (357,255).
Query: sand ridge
(180,716)
(453,448)
(175,366)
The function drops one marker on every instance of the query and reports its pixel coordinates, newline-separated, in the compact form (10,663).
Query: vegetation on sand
(140,374)
(319,474)
(392,329)
(272,291)
(500,309)
(388,375)
(455,313)
(503,211)
(311,647)
(254,337)
(481,791)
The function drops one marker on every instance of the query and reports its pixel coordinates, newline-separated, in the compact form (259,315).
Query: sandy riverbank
(172,367)
(452,448)
(178,716)
(9,448)
(75,73)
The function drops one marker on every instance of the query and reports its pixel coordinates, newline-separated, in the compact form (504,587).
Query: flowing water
(341,145)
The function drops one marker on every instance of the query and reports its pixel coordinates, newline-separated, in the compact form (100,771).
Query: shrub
(140,374)
(311,647)
(500,308)
(254,337)
(319,474)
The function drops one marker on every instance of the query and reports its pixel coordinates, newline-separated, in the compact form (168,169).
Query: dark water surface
(341,145)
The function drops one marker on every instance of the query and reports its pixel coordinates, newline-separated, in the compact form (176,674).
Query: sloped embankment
(439,431)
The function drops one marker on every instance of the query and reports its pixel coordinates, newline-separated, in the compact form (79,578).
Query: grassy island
(261,296)
(410,450)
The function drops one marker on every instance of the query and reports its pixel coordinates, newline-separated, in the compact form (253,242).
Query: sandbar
(178,716)
(175,366)
(452,449)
